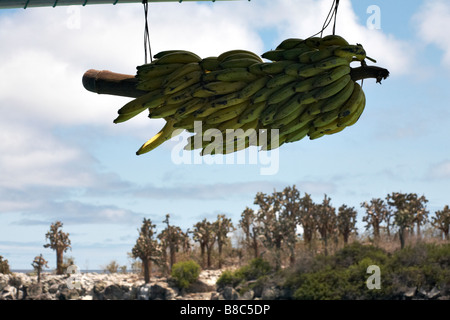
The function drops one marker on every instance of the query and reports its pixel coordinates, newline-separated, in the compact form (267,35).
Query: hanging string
(330,17)
(147,46)
(335,15)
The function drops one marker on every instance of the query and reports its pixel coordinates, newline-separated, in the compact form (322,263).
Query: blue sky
(62,158)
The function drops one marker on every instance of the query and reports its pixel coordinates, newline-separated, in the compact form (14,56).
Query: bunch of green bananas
(306,90)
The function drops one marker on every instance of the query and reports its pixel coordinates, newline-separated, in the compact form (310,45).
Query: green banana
(352,118)
(273,142)
(332,88)
(281,94)
(227,100)
(178,57)
(357,114)
(331,76)
(210,64)
(152,99)
(273,55)
(227,113)
(161,54)
(314,42)
(295,53)
(163,135)
(219,88)
(189,107)
(313,135)
(275,67)
(289,43)
(351,51)
(239,63)
(183,82)
(269,112)
(353,102)
(293,104)
(317,55)
(183,95)
(151,83)
(332,40)
(252,112)
(182,71)
(284,115)
(305,85)
(151,70)
(127,116)
(338,100)
(253,87)
(227,54)
(294,125)
(231,74)
(164,111)
(325,118)
(262,94)
(297,134)
(280,80)
(331,62)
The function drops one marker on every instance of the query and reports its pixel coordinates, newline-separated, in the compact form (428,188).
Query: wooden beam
(11,4)
(107,82)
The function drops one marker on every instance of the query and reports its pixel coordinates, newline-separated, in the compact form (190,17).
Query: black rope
(147,45)
(335,15)
(331,15)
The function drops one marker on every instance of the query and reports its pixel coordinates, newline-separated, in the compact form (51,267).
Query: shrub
(185,273)
(229,278)
(4,266)
(257,268)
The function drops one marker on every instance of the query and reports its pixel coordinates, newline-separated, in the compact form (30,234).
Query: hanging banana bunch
(308,89)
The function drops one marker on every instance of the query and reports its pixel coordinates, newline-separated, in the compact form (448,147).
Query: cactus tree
(441,221)
(222,226)
(60,242)
(38,264)
(146,248)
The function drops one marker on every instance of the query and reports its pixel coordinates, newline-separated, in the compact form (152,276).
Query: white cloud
(440,170)
(432,25)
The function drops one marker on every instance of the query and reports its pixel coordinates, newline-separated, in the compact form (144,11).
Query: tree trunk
(202,253)
(208,254)
(401,235)
(220,255)
(59,261)
(172,256)
(255,248)
(147,269)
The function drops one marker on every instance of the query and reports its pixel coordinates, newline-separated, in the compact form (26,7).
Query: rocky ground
(101,286)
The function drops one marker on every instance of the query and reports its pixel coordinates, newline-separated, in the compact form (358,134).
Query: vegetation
(310,249)
(58,241)
(4,266)
(147,248)
(185,273)
(39,263)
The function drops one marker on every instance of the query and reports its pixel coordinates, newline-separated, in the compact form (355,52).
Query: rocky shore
(101,286)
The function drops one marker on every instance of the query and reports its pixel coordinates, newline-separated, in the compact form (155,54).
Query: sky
(63,158)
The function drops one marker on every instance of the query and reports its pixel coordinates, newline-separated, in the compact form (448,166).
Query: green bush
(256,269)
(4,266)
(228,278)
(185,273)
